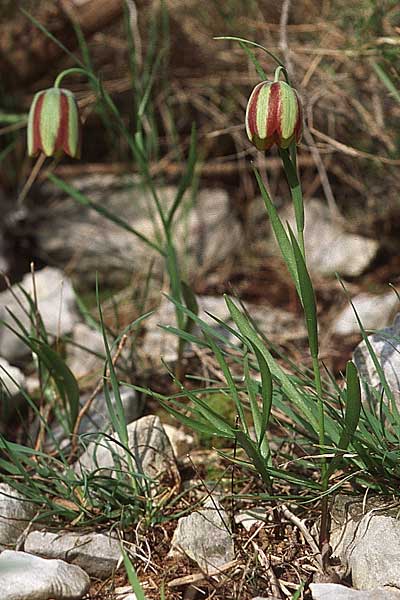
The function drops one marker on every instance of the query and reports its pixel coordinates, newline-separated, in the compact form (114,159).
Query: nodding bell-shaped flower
(54,124)
(274,115)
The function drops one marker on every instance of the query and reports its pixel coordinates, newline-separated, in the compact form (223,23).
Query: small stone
(181,442)
(27,577)
(204,536)
(386,345)
(16,512)
(56,303)
(374,312)
(334,591)
(96,553)
(149,446)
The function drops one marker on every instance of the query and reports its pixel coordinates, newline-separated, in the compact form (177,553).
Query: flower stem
(63,74)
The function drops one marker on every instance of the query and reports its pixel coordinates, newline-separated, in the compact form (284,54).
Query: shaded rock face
(97,553)
(204,537)
(15,515)
(150,453)
(386,345)
(69,233)
(374,311)
(27,577)
(56,303)
(366,538)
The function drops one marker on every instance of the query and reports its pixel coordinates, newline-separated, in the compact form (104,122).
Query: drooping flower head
(54,124)
(274,115)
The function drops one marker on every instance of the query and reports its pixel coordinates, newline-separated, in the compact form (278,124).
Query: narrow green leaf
(288,388)
(187,178)
(194,424)
(260,71)
(63,377)
(295,189)
(229,380)
(388,83)
(255,456)
(280,232)
(132,577)
(307,297)
(266,394)
(375,360)
(352,414)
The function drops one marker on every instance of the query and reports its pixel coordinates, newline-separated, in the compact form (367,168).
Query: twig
(31,179)
(350,151)
(307,535)
(323,175)
(283,41)
(273,580)
(197,577)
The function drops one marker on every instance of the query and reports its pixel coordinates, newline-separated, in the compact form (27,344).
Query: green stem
(73,70)
(278,72)
(324,534)
(288,157)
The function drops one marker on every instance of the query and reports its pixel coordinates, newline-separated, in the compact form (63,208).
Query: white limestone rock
(204,536)
(96,553)
(330,248)
(16,512)
(149,450)
(83,354)
(56,303)
(375,311)
(386,345)
(335,591)
(97,418)
(73,234)
(27,577)
(365,537)
(181,441)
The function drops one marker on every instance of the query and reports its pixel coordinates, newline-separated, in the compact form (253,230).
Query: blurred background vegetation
(343,58)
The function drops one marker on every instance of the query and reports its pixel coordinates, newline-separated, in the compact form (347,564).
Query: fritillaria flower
(54,124)
(274,115)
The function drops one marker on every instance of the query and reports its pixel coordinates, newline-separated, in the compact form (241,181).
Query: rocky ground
(203,541)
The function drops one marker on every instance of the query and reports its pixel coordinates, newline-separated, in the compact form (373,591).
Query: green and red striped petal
(54,124)
(274,115)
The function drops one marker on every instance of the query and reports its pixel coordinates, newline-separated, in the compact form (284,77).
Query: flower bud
(54,124)
(274,115)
